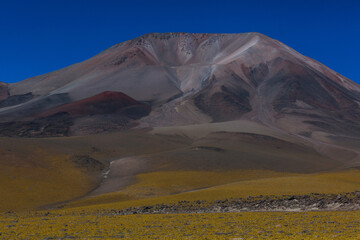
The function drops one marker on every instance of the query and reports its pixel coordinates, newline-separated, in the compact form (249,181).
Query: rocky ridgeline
(311,202)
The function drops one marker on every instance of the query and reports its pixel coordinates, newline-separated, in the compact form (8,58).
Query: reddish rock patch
(104,103)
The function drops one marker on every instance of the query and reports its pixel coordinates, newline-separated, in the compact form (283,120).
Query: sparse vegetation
(158,188)
(51,170)
(56,180)
(248,225)
(38,172)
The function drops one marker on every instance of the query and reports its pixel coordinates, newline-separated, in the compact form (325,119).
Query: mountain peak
(143,40)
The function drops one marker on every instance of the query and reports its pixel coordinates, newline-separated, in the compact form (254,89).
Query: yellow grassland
(245,225)
(170,187)
(37,172)
(58,180)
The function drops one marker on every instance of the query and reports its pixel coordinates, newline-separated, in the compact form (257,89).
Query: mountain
(176,106)
(198,78)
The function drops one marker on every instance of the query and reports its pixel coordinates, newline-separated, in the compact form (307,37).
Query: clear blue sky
(42,36)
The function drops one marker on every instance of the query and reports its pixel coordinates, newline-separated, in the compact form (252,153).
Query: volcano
(199,78)
(178,108)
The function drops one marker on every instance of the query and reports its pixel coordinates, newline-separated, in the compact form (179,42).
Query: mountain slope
(4,93)
(225,76)
(190,103)
(102,112)
(190,79)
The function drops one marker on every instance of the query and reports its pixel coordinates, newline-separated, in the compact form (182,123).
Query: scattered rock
(314,201)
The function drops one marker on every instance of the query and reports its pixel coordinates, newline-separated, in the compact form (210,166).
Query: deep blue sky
(43,36)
